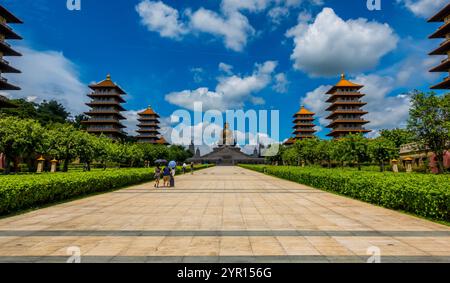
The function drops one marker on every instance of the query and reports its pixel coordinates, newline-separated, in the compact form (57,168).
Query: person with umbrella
(159,172)
(172,166)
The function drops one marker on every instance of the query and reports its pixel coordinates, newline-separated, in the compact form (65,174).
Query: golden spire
(108,77)
(343,76)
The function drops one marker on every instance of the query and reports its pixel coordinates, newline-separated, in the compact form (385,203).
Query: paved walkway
(221,214)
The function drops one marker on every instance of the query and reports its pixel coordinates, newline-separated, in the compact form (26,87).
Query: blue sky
(255,54)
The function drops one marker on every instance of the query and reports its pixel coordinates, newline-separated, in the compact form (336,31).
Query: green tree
(398,136)
(429,121)
(290,156)
(64,142)
(355,149)
(51,112)
(19,138)
(382,150)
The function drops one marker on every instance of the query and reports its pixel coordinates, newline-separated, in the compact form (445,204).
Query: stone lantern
(395,165)
(54,165)
(408,161)
(40,165)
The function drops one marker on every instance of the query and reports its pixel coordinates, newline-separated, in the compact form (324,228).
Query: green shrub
(423,195)
(28,191)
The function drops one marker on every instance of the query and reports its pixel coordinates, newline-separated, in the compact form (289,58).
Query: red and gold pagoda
(303,126)
(105,114)
(346,113)
(149,127)
(444,48)
(6,32)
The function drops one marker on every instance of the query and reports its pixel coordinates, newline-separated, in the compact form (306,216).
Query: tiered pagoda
(303,126)
(149,127)
(346,113)
(444,48)
(105,114)
(6,32)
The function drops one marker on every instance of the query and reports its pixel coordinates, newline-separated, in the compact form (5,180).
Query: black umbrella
(160,161)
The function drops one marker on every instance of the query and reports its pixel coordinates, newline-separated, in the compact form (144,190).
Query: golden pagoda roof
(108,83)
(344,83)
(441,15)
(304,111)
(148,111)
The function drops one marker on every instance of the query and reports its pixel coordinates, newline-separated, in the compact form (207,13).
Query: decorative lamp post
(54,165)
(395,165)
(408,161)
(40,165)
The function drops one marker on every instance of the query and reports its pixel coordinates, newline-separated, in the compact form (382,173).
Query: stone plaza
(221,214)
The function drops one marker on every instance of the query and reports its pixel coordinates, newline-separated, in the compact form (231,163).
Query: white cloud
(229,23)
(161,18)
(197,74)
(281,83)
(330,45)
(48,75)
(234,28)
(232,91)
(228,69)
(423,8)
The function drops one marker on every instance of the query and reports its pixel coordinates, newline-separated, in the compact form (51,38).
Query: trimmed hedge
(423,195)
(29,191)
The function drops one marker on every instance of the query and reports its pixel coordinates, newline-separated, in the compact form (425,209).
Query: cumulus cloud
(161,18)
(330,45)
(423,8)
(234,28)
(232,91)
(281,83)
(48,75)
(228,69)
(229,23)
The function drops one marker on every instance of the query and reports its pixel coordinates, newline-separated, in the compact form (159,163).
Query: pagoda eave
(118,89)
(443,67)
(6,68)
(337,104)
(115,96)
(9,17)
(442,85)
(443,49)
(441,32)
(8,33)
(118,131)
(103,122)
(4,85)
(441,15)
(335,133)
(7,50)
(330,117)
(335,89)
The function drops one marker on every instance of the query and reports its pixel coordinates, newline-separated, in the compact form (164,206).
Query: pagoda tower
(105,114)
(6,32)
(149,127)
(346,113)
(444,48)
(303,126)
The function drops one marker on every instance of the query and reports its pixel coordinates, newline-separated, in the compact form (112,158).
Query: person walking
(157,176)
(184,168)
(192,168)
(172,177)
(166,176)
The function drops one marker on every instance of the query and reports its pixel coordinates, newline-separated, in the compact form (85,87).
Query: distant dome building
(227,152)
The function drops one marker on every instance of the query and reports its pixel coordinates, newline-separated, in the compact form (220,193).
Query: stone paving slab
(221,214)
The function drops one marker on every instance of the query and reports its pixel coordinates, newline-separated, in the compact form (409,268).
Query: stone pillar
(40,165)
(54,164)
(395,166)
(303,163)
(409,162)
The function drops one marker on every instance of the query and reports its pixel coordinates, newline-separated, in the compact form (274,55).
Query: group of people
(168,174)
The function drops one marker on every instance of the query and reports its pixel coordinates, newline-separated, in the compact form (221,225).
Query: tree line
(428,126)
(24,140)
